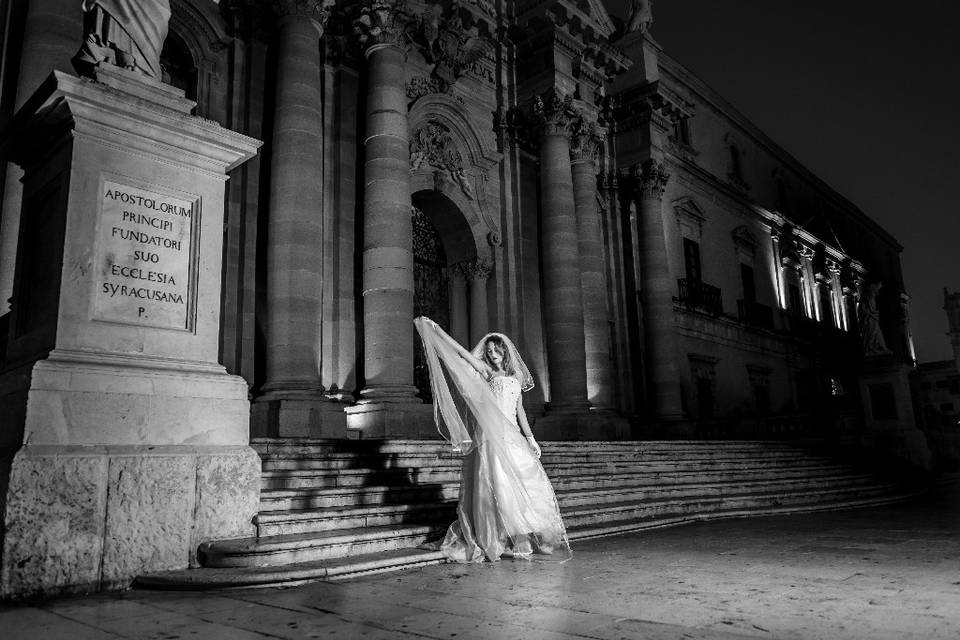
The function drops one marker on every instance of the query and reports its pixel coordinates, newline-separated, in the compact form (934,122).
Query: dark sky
(866,94)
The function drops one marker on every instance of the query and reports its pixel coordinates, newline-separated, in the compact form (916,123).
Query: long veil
(507,505)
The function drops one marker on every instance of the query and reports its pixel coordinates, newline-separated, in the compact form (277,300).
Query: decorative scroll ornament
(653,179)
(382,22)
(476,270)
(432,145)
(586,137)
(315,10)
(554,113)
(449,44)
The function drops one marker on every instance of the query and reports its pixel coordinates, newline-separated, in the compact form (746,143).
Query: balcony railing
(754,313)
(697,294)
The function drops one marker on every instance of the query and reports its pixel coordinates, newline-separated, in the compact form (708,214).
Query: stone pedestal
(134,440)
(890,423)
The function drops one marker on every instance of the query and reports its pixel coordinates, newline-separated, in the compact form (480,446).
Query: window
(691,260)
(749,284)
(681,132)
(704,399)
(736,166)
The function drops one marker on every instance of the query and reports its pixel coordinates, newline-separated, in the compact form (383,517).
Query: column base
(581,425)
(88,518)
(372,419)
(275,415)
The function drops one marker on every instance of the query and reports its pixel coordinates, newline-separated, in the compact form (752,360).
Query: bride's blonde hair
(501,347)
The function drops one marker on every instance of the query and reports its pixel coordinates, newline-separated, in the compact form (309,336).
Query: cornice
(778,223)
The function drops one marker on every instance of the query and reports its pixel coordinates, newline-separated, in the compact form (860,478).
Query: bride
(507,506)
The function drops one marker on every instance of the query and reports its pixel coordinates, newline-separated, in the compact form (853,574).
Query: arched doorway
(431,294)
(442,238)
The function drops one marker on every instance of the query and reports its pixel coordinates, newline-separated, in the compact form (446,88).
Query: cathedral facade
(534,167)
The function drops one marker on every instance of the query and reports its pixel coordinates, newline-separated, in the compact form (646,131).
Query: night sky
(866,95)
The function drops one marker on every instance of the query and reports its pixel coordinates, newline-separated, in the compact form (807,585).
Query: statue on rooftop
(125,33)
(641,16)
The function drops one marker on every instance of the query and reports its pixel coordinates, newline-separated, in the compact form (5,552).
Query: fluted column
(387,229)
(656,296)
(478,271)
(459,320)
(294,266)
(596,327)
(562,291)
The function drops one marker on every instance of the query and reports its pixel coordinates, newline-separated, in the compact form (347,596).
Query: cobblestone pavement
(885,573)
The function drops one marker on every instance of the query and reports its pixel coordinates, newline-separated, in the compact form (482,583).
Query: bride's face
(494,354)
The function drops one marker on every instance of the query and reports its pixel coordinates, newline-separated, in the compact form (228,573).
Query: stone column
(478,271)
(459,322)
(294,256)
(596,327)
(388,405)
(656,296)
(51,34)
(562,290)
(387,227)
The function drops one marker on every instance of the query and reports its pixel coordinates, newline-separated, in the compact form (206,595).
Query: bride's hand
(533,445)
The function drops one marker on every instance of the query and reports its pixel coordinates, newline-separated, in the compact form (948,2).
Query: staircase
(331,508)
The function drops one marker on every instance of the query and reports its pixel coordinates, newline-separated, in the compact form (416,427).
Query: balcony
(696,294)
(755,314)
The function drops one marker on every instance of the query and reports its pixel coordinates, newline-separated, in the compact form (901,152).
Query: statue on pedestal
(869,316)
(641,16)
(125,33)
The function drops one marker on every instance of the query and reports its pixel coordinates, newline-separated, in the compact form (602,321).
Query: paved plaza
(885,573)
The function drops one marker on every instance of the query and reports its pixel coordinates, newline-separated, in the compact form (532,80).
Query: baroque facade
(536,168)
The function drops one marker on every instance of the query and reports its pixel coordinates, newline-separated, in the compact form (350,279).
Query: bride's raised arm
(482,367)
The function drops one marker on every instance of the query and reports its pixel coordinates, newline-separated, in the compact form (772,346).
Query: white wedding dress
(507,505)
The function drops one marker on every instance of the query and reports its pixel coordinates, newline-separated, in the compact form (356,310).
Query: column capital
(382,23)
(653,179)
(317,11)
(476,270)
(554,113)
(586,136)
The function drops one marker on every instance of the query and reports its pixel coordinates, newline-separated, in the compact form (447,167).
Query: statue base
(131,440)
(890,424)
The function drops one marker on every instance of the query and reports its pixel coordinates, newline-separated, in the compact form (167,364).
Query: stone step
(268,551)
(304,499)
(327,478)
(306,445)
(594,515)
(276,462)
(272,523)
(630,525)
(206,578)
(279,522)
(279,550)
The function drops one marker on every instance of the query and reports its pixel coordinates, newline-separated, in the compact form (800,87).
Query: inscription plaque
(145,258)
